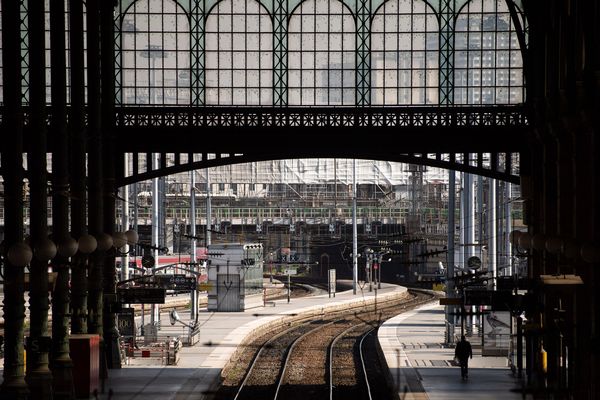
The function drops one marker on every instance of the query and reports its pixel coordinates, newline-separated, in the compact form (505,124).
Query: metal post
(38,377)
(289,286)
(480,215)
(60,363)
(507,227)
(520,346)
(461,241)
(125,223)
(109,165)
(354,231)
(79,283)
(492,231)
(469,217)
(155,230)
(379,272)
(13,385)
(329,284)
(194,292)
(95,198)
(450,255)
(370,269)
(208,209)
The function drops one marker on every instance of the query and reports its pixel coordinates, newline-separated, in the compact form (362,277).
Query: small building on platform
(235,276)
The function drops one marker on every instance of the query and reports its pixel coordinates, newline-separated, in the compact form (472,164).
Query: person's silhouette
(463,352)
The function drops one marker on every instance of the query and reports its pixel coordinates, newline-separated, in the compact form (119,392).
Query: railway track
(333,357)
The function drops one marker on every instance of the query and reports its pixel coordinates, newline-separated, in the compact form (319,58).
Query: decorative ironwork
(324,52)
(118,55)
(24,52)
(363,53)
(446,51)
(197,46)
(280,52)
(409,117)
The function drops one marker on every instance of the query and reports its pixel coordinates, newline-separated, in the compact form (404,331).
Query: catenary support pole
(354,231)
(450,255)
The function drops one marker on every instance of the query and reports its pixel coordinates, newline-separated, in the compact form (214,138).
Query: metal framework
(322,117)
(197,47)
(446,51)
(363,53)
(314,52)
(155,53)
(280,51)
(24,52)
(253,134)
(324,64)
(487,56)
(501,166)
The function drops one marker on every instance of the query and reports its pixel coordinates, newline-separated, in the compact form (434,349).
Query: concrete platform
(414,341)
(199,368)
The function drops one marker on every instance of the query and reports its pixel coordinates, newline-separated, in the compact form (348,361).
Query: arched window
(239,54)
(488,67)
(321,54)
(404,54)
(155,53)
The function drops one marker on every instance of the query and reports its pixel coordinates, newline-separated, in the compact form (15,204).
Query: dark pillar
(13,385)
(95,183)
(77,167)
(585,360)
(111,334)
(95,207)
(39,377)
(60,362)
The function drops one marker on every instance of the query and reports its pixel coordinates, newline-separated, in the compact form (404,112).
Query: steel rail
(362,361)
(289,352)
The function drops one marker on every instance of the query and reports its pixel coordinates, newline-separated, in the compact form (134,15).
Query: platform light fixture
(105,241)
(554,245)
(119,239)
(20,254)
(68,247)
(132,236)
(87,243)
(45,250)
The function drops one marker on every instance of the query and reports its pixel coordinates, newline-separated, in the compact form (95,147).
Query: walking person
(462,352)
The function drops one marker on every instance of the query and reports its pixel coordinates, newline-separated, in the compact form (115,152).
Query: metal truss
(495,165)
(363,52)
(118,55)
(197,37)
(280,49)
(446,52)
(242,134)
(24,26)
